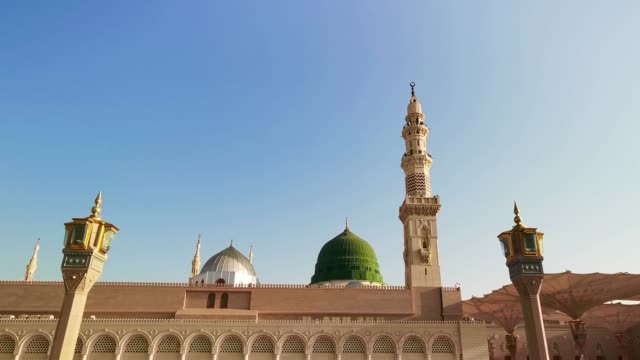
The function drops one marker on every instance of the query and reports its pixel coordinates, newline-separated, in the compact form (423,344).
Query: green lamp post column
(522,248)
(86,244)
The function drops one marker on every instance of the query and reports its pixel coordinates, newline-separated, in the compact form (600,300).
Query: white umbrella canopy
(616,317)
(499,307)
(574,294)
(564,296)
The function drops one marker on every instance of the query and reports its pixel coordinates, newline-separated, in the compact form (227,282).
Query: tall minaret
(195,263)
(419,208)
(32,266)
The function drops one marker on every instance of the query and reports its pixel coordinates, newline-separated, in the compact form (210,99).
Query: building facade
(223,312)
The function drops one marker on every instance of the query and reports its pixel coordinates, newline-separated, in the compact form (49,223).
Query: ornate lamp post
(86,244)
(522,248)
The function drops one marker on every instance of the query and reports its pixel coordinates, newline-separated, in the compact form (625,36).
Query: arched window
(384,345)
(169,344)
(79,346)
(224,301)
(200,344)
(324,345)
(231,344)
(353,345)
(263,344)
(293,344)
(38,345)
(7,344)
(442,345)
(137,344)
(105,344)
(211,301)
(413,345)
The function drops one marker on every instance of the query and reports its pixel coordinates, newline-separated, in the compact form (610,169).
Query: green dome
(347,257)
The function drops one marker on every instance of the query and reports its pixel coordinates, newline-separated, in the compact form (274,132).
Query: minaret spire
(251,253)
(419,209)
(32,266)
(195,264)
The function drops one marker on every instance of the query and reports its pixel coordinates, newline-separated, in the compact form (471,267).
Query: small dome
(347,257)
(229,260)
(228,267)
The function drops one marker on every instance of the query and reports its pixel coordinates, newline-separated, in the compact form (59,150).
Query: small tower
(419,208)
(251,254)
(195,263)
(32,266)
(86,244)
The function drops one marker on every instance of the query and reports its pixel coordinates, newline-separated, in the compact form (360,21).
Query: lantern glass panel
(77,234)
(530,243)
(504,242)
(108,238)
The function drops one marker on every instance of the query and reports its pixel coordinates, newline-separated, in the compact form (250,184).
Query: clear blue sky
(269,122)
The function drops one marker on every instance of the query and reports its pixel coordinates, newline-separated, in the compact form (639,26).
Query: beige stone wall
(322,340)
(277,302)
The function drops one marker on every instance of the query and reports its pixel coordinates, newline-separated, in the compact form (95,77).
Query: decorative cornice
(341,321)
(412,117)
(415,160)
(422,129)
(407,210)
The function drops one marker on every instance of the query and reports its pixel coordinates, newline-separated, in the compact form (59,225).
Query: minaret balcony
(425,256)
(416,160)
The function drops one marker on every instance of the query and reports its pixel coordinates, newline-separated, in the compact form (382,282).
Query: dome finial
(95,210)
(413,85)
(231,243)
(517,219)
(346,223)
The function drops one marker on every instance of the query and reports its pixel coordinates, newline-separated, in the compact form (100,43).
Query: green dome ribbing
(347,257)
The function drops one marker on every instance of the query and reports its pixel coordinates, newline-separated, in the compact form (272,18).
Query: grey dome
(229,260)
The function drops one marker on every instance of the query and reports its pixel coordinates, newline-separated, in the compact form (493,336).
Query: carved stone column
(77,283)
(529,289)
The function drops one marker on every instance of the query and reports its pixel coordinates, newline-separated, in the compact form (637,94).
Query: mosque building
(223,311)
